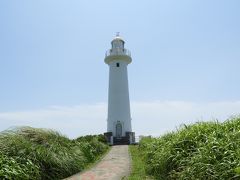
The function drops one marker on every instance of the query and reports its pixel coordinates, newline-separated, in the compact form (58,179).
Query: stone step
(121,141)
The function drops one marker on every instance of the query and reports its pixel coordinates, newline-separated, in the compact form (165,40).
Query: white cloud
(72,121)
(161,116)
(153,118)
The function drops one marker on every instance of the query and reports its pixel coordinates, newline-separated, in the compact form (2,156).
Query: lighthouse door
(119,129)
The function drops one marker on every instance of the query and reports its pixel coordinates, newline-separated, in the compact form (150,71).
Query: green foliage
(205,150)
(88,138)
(18,168)
(138,167)
(30,153)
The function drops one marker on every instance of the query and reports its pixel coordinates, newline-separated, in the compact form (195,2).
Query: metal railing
(117,51)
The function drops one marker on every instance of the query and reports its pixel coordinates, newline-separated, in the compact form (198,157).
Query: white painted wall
(118,98)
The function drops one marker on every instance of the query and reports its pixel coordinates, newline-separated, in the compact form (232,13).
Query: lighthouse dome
(117,42)
(118,38)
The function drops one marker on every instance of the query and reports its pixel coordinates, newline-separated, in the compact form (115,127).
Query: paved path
(114,166)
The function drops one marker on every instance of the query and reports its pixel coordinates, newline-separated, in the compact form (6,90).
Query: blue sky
(186,55)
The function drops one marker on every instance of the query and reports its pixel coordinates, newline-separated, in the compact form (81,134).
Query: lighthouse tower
(119,129)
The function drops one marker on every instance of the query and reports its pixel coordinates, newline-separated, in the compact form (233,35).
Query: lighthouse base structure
(129,138)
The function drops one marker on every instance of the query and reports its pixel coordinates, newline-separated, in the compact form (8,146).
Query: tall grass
(205,150)
(31,153)
(138,167)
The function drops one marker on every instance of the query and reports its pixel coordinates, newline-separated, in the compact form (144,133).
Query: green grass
(204,150)
(31,153)
(138,167)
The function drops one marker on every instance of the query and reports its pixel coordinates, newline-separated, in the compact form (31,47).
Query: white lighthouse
(119,129)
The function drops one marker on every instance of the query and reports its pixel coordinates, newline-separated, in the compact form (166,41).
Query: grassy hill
(204,150)
(30,153)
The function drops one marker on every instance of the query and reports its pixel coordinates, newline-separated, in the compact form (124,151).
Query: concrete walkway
(114,166)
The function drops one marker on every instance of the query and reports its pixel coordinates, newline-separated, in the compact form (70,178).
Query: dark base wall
(108,136)
(129,138)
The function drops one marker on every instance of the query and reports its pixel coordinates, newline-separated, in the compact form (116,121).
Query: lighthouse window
(118,64)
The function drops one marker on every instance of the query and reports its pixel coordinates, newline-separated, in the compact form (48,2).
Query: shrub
(18,168)
(33,153)
(204,150)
